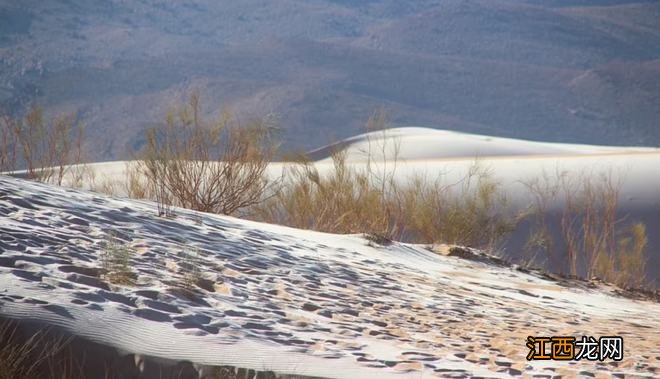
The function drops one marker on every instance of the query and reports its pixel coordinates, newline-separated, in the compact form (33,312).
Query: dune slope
(408,152)
(294,301)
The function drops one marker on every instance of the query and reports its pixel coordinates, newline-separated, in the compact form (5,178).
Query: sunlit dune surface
(293,301)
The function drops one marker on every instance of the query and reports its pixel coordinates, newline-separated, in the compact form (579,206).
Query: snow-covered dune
(405,153)
(441,153)
(295,301)
(415,143)
(448,156)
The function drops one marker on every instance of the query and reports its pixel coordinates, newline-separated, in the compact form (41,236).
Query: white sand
(413,143)
(449,155)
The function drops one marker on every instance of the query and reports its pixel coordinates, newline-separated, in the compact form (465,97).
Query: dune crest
(417,143)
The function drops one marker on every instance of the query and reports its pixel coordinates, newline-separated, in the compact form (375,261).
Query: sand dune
(446,153)
(294,301)
(513,164)
(448,156)
(414,143)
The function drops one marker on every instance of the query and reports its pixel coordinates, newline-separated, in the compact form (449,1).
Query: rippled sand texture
(295,301)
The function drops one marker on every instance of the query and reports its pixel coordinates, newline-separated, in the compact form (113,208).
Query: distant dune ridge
(415,143)
(405,153)
(291,301)
(564,71)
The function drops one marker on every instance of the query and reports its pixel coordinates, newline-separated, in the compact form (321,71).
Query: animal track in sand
(399,308)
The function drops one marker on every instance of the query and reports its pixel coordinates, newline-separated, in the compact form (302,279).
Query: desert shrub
(364,197)
(45,150)
(471,212)
(355,199)
(79,175)
(541,243)
(627,267)
(116,259)
(135,186)
(588,222)
(105,186)
(216,167)
(9,154)
(588,234)
(345,200)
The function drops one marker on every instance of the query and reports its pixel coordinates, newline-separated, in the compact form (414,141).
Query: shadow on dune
(35,350)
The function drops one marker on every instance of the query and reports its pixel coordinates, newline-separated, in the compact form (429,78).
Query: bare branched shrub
(628,267)
(108,187)
(9,154)
(589,220)
(587,233)
(355,200)
(541,244)
(216,167)
(471,212)
(135,184)
(45,150)
(364,197)
(79,176)
(348,198)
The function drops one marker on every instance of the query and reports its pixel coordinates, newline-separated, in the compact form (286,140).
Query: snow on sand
(294,301)
(450,155)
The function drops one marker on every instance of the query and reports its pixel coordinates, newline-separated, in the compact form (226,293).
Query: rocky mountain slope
(564,71)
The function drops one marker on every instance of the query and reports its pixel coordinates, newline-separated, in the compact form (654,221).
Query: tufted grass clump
(116,261)
(191,274)
(31,355)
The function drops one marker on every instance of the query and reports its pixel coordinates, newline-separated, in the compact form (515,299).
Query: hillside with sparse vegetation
(567,71)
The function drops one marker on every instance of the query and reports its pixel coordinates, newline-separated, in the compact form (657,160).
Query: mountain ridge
(323,67)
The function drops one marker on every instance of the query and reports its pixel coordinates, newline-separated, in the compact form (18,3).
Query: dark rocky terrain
(564,70)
